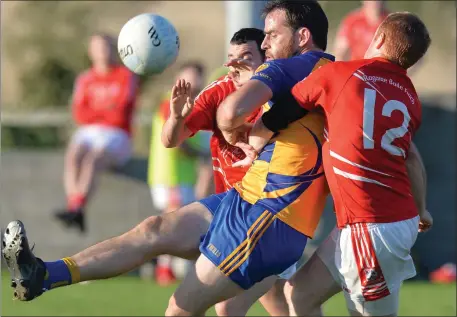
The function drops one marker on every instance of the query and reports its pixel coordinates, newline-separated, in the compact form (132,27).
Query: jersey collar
(322,54)
(390,64)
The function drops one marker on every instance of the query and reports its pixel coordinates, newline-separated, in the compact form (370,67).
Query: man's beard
(290,50)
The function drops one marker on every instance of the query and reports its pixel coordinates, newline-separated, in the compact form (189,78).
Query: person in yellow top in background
(173,173)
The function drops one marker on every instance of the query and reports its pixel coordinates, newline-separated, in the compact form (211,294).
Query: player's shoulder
(308,58)
(85,78)
(122,71)
(219,88)
(350,66)
(85,75)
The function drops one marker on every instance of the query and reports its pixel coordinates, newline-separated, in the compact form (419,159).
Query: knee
(149,228)
(95,158)
(231,308)
(173,309)
(74,152)
(301,301)
(288,292)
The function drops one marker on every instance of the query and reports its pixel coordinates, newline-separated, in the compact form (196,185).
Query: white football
(148,44)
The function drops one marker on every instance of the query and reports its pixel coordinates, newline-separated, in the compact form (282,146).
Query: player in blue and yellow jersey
(261,226)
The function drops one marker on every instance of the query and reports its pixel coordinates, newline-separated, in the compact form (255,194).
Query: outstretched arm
(174,131)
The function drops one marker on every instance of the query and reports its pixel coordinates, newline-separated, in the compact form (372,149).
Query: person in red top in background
(102,106)
(375,173)
(357,29)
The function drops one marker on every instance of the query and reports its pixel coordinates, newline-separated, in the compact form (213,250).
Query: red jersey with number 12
(203,117)
(372,112)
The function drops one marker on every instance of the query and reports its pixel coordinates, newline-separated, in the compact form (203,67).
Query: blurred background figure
(217,73)
(205,184)
(357,30)
(102,106)
(174,173)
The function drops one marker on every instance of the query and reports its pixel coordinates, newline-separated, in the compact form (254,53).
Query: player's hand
(240,70)
(239,134)
(426,221)
(251,155)
(234,136)
(181,102)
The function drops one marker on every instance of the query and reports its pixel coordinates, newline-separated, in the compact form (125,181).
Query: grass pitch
(129,296)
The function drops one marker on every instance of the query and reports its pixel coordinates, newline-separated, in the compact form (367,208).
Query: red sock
(76,201)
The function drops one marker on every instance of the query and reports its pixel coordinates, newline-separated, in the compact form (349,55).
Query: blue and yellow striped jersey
(288,178)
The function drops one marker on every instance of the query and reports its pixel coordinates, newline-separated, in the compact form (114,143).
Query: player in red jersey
(374,172)
(103,105)
(177,233)
(358,28)
(199,115)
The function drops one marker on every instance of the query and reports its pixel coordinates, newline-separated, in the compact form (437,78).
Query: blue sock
(58,274)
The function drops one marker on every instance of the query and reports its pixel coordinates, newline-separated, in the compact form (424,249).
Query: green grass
(129,296)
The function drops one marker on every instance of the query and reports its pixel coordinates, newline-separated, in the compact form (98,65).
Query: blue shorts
(247,242)
(212,202)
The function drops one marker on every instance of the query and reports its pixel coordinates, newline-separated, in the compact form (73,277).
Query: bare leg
(274,301)
(309,288)
(202,288)
(73,157)
(92,164)
(204,185)
(164,273)
(240,305)
(177,233)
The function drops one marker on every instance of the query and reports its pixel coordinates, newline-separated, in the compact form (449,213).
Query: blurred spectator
(357,30)
(173,173)
(446,274)
(218,73)
(103,105)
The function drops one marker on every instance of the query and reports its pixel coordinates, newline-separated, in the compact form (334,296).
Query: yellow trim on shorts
(235,259)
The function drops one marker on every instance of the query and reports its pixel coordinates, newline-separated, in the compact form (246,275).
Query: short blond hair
(406,38)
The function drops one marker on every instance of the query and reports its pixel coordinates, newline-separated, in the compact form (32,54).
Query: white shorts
(371,261)
(164,197)
(113,140)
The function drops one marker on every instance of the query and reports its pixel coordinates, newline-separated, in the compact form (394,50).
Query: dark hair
(406,38)
(308,14)
(195,65)
(249,34)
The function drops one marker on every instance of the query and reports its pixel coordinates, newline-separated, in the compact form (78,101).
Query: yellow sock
(74,270)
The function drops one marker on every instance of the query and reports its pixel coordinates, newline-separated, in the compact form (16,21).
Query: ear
(304,37)
(379,42)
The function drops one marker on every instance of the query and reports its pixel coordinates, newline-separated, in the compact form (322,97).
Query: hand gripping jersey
(287,178)
(105,99)
(203,117)
(372,112)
